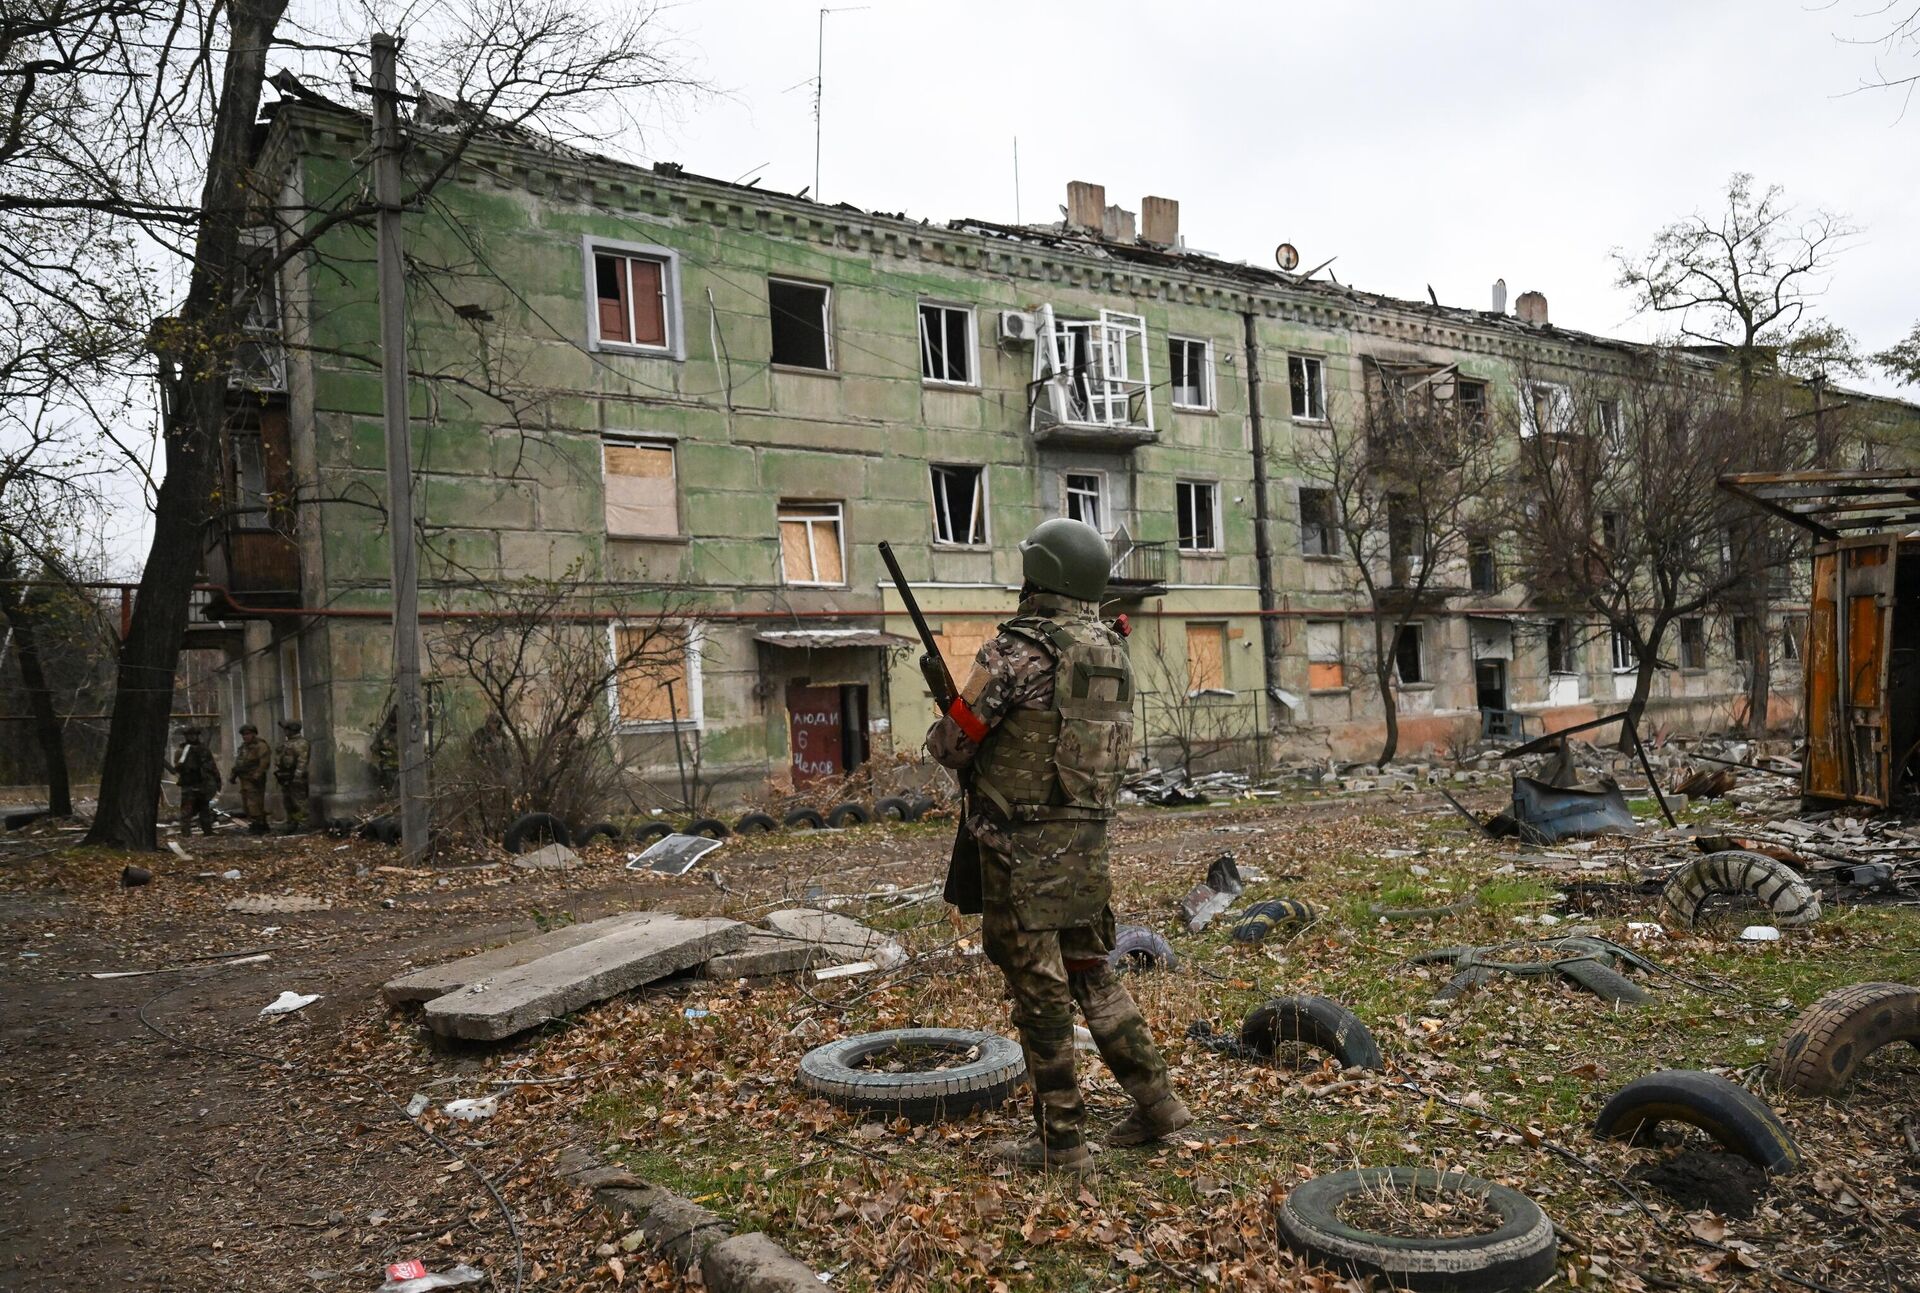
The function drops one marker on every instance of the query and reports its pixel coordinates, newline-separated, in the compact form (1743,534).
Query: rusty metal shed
(1861,658)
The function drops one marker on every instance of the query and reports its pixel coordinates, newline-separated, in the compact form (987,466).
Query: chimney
(1086,205)
(1160,221)
(1531,307)
(1499,296)
(1116,224)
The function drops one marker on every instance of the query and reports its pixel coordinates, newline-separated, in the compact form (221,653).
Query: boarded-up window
(960,641)
(1206,658)
(1326,656)
(657,678)
(630,303)
(810,545)
(642,497)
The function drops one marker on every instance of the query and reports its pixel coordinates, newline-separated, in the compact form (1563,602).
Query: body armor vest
(1066,762)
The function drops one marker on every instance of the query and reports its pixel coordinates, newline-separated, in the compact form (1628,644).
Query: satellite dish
(1287,256)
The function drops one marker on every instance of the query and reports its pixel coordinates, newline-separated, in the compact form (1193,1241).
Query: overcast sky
(1421,143)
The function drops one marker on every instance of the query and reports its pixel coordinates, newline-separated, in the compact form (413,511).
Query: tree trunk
(1389,703)
(47,728)
(143,686)
(1642,688)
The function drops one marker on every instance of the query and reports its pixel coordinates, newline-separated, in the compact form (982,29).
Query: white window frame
(676,347)
(981,501)
(1300,522)
(1207,390)
(696,717)
(1613,423)
(1112,389)
(826,324)
(972,380)
(1309,364)
(672,446)
(1419,653)
(288,649)
(1620,649)
(1099,479)
(813,551)
(1219,535)
(1561,397)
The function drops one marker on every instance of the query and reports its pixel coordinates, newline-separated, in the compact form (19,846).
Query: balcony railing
(259,362)
(1139,564)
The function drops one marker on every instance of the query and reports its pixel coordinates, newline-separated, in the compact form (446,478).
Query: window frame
(1319,365)
(826,324)
(291,701)
(1569,646)
(1476,548)
(1209,396)
(1560,406)
(671,314)
(1219,538)
(1610,417)
(1473,412)
(1619,649)
(1224,629)
(1099,477)
(1332,546)
(840,534)
(1694,646)
(1339,627)
(1419,655)
(982,503)
(972,380)
(672,446)
(696,718)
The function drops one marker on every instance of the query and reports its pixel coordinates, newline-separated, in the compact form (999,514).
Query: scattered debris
(472,1109)
(132,877)
(1726,1111)
(845,971)
(288,1002)
(202,964)
(407,1282)
(1760,934)
(278,904)
(1593,963)
(840,938)
(1135,947)
(1547,813)
(1263,918)
(674,854)
(551,857)
(1215,894)
(174,847)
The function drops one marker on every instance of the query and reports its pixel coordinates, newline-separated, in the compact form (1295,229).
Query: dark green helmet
(1067,557)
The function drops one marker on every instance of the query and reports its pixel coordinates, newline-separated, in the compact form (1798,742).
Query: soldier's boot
(1059,1116)
(1034,1155)
(1121,1035)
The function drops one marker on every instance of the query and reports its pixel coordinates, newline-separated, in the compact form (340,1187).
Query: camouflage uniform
(1044,877)
(199,778)
(250,766)
(290,770)
(386,754)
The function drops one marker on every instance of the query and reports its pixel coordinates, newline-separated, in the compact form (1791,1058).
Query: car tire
(599,830)
(755,824)
(1312,1021)
(535,826)
(386,830)
(1819,1054)
(1135,947)
(711,827)
(893,808)
(919,806)
(1261,918)
(808,819)
(837,1072)
(1737,871)
(1726,1111)
(1520,1253)
(650,832)
(849,813)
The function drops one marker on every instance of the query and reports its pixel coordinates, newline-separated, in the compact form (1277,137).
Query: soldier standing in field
(290,770)
(1045,722)
(250,766)
(199,777)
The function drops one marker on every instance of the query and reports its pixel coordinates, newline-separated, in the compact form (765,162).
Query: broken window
(1625,660)
(1092,372)
(811,548)
(1742,628)
(1547,407)
(946,344)
(249,479)
(1470,398)
(798,312)
(1307,385)
(1197,508)
(1693,643)
(290,679)
(642,495)
(657,676)
(1613,529)
(1613,429)
(1316,523)
(959,505)
(1793,631)
(1483,575)
(1326,655)
(1406,654)
(1406,540)
(1206,658)
(1560,648)
(1192,365)
(1085,498)
(630,299)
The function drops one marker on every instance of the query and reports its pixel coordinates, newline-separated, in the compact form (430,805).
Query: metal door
(815,730)
(1848,641)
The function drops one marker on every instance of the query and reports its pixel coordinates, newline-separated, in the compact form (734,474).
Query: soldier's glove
(936,676)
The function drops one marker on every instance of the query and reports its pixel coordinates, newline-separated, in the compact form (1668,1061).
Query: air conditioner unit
(1018,325)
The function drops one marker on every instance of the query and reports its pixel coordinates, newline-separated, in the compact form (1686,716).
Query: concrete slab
(563,981)
(274,904)
(438,980)
(841,937)
(765,956)
(548,857)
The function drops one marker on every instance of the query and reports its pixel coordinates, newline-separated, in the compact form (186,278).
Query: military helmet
(190,731)
(1067,557)
(290,724)
(249,727)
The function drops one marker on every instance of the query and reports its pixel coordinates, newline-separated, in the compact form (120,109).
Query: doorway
(827,730)
(1490,688)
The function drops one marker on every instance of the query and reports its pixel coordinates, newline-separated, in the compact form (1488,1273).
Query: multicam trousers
(196,806)
(253,803)
(293,797)
(1048,972)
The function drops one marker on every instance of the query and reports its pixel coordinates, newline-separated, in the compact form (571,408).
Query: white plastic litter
(842,971)
(470,1110)
(1645,931)
(457,1277)
(1759,934)
(417,1105)
(288,1002)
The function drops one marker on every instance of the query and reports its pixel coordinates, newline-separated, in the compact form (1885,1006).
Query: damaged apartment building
(640,378)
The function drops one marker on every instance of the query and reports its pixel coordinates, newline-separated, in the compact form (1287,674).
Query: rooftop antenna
(820,86)
(1016,179)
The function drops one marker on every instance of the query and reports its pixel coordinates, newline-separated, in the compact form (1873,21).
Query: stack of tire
(530,830)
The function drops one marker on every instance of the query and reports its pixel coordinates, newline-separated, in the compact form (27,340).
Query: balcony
(1091,383)
(256,566)
(1139,569)
(259,363)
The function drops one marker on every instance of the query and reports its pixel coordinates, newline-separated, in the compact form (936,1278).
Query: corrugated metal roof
(820,639)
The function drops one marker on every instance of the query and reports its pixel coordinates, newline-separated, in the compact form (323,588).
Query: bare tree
(1197,717)
(1892,30)
(1617,511)
(127,143)
(1410,476)
(1740,283)
(551,667)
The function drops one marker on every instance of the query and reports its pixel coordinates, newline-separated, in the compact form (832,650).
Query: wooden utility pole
(410,733)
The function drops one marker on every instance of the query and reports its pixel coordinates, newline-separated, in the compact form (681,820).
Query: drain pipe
(1262,524)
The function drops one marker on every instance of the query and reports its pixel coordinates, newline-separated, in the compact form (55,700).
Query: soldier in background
(290,770)
(386,755)
(488,745)
(199,777)
(250,766)
(1045,721)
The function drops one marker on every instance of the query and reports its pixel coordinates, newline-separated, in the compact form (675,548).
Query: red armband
(967,721)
